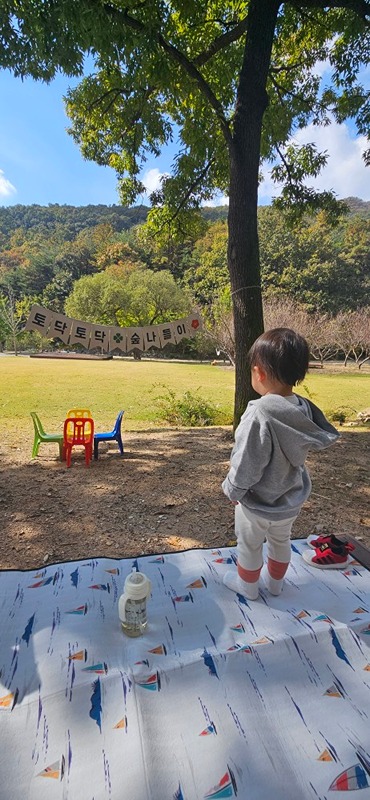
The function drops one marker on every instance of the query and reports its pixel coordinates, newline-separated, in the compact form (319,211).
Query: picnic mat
(220,698)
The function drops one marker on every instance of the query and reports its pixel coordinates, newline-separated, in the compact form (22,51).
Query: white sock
(272,585)
(234,582)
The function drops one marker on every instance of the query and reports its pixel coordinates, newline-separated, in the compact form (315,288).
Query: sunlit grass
(51,387)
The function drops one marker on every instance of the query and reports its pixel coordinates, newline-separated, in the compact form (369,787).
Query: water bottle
(132,604)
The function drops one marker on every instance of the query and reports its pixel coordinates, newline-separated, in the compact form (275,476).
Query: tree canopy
(143,298)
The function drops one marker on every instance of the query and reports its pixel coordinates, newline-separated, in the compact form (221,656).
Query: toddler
(268,481)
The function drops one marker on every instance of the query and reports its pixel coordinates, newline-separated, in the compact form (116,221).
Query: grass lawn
(51,387)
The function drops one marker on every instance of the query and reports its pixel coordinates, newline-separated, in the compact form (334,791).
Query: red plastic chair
(78,431)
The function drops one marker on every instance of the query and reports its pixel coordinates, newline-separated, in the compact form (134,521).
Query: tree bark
(244,151)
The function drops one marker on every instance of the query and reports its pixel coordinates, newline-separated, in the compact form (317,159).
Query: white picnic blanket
(220,698)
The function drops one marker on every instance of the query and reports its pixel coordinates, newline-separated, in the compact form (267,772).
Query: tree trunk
(243,250)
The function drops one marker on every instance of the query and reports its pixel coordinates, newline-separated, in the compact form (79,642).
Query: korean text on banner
(135,339)
(39,320)
(80,333)
(166,333)
(60,327)
(100,335)
(151,336)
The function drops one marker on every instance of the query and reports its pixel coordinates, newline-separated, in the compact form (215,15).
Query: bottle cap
(137,586)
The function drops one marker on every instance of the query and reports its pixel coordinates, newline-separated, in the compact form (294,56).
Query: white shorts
(252,531)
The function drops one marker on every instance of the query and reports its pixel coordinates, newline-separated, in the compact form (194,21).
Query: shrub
(341,414)
(189,410)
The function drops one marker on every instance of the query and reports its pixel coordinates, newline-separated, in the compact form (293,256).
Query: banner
(80,333)
(151,335)
(60,327)
(110,337)
(100,337)
(118,339)
(135,339)
(39,320)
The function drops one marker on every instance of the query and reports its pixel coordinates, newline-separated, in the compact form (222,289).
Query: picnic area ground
(163,495)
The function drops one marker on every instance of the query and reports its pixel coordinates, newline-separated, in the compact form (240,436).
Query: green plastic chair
(41,436)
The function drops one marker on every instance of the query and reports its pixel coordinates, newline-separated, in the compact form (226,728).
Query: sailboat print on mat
(160,650)
(121,724)
(225,788)
(333,691)
(96,707)
(44,582)
(244,647)
(356,777)
(323,618)
(183,598)
(325,756)
(55,770)
(9,700)
(81,655)
(153,682)
(100,669)
(178,795)
(104,587)
(209,730)
(209,662)
(199,583)
(79,611)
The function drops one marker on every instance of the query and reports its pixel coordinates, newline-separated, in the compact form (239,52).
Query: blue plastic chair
(114,435)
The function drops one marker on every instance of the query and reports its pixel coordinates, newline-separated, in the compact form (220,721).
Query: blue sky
(40,163)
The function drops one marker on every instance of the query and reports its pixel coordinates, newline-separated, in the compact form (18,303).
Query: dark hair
(282,353)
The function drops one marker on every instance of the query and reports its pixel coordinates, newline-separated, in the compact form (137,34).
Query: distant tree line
(103,264)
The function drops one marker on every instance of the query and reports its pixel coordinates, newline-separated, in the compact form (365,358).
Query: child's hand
(234,502)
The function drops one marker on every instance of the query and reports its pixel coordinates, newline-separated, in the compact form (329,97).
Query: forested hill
(73,219)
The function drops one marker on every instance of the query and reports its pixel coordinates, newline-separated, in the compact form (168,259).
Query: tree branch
(221,42)
(102,97)
(205,88)
(359,7)
(279,93)
(287,68)
(286,165)
(281,90)
(181,59)
(188,193)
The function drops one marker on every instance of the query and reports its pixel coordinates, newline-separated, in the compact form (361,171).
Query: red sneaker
(329,556)
(327,538)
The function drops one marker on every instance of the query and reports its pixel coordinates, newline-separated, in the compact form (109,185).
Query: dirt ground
(163,495)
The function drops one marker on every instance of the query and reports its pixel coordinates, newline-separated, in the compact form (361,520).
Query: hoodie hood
(298,427)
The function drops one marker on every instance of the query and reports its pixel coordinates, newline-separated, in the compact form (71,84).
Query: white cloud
(217,200)
(152,180)
(6,188)
(345,172)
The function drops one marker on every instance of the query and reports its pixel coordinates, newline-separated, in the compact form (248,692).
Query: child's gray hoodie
(267,472)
